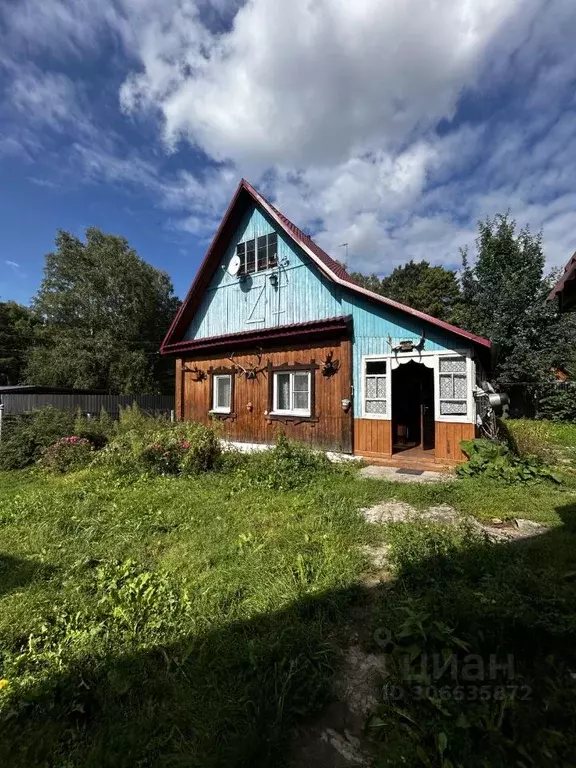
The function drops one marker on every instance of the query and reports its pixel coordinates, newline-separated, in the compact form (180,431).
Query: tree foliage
(104,312)
(16,333)
(504,294)
(434,290)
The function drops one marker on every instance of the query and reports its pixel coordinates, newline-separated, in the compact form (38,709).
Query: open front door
(413,424)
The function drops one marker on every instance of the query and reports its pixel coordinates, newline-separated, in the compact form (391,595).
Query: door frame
(423,376)
(431,359)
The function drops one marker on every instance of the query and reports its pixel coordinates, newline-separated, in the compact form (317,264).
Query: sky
(390,125)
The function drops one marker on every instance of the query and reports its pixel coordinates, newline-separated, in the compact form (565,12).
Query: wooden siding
(332,429)
(231,305)
(448,437)
(372,437)
(375,327)
(303,294)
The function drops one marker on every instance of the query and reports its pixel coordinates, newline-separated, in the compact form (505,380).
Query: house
(274,333)
(565,289)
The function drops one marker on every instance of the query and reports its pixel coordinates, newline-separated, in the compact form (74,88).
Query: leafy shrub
(557,403)
(132,419)
(29,434)
(204,451)
(184,448)
(67,454)
(97,430)
(165,455)
(287,465)
(497,461)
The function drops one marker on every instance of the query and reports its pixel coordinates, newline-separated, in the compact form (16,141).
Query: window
(453,386)
(258,255)
(222,393)
(375,388)
(292,393)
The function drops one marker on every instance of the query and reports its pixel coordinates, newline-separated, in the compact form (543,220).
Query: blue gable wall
(231,305)
(303,294)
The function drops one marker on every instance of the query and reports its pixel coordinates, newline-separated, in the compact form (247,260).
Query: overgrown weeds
(496,460)
(478,639)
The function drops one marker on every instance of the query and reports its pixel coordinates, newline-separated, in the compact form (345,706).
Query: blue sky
(390,126)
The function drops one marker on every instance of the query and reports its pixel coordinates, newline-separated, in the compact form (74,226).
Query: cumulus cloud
(303,82)
(390,126)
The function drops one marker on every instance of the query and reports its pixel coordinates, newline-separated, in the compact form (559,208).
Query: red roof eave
(334,326)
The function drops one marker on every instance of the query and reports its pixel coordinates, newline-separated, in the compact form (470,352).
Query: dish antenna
(234,265)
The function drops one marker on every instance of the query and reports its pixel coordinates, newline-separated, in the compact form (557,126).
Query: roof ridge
(333,269)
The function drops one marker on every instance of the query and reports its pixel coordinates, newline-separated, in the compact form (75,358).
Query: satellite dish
(234,265)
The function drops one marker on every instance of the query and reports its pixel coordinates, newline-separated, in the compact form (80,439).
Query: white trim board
(431,360)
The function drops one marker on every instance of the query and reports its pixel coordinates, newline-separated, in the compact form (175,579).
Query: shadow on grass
(231,697)
(17,573)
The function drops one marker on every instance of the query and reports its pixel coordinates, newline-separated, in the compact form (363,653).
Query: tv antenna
(345,245)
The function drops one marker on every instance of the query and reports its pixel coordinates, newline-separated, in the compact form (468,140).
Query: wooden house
(564,292)
(274,333)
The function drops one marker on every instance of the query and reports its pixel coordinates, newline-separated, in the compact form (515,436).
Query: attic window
(258,255)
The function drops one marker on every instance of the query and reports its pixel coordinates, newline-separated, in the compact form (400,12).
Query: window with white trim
(453,394)
(292,393)
(222,393)
(375,374)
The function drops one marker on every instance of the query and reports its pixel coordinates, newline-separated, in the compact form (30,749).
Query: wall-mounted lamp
(273,280)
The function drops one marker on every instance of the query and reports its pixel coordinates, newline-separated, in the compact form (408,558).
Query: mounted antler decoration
(197,373)
(329,365)
(408,345)
(254,368)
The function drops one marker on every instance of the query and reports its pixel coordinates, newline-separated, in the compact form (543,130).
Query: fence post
(172,414)
(1,417)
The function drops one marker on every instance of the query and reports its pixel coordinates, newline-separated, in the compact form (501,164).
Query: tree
(433,290)
(16,336)
(504,299)
(104,312)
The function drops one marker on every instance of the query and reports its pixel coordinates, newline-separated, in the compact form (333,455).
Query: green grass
(554,442)
(194,621)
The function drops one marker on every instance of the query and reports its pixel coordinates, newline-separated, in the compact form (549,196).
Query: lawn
(195,621)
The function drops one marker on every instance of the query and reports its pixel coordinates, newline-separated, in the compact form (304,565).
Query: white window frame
(431,360)
(305,412)
(469,390)
(387,415)
(215,379)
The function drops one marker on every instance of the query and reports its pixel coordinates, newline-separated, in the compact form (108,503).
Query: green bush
(557,403)
(287,465)
(204,451)
(172,449)
(97,430)
(29,434)
(67,454)
(496,460)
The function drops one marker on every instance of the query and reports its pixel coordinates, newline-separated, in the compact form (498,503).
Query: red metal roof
(565,288)
(314,329)
(329,266)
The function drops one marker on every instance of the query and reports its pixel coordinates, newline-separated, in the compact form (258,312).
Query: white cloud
(13,264)
(332,108)
(299,83)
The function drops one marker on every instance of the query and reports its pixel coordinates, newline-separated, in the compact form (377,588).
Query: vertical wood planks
(448,437)
(332,429)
